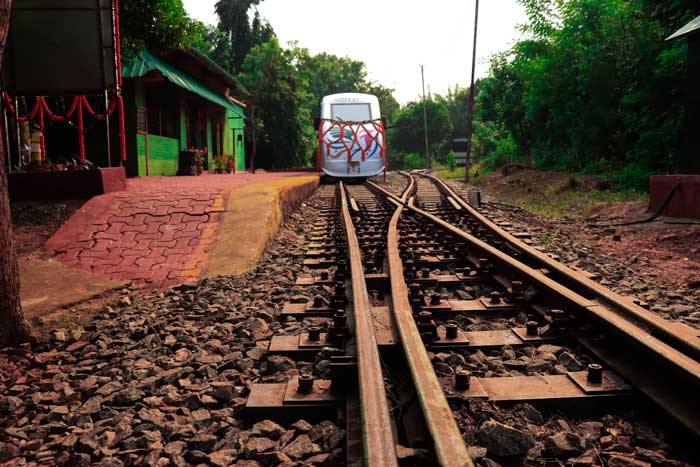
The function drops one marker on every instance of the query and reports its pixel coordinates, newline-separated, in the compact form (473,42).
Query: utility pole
(428,163)
(472,92)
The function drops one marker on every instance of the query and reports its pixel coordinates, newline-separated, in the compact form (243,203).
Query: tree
(407,134)
(594,87)
(14,329)
(213,43)
(278,96)
(235,23)
(154,24)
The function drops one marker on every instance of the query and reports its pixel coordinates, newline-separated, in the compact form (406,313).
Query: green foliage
(594,87)
(242,35)
(408,135)
(213,43)
(278,96)
(451,161)
(413,161)
(152,23)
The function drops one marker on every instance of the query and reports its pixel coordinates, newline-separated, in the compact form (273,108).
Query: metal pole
(472,92)
(109,143)
(20,159)
(6,142)
(425,123)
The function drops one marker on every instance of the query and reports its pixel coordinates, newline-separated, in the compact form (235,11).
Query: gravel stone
(503,440)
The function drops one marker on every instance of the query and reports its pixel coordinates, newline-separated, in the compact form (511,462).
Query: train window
(351,112)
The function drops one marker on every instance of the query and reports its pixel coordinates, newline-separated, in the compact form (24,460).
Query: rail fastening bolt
(595,373)
(318,301)
(462,378)
(435,299)
(324,275)
(306,384)
(495,298)
(531,328)
(314,334)
(451,330)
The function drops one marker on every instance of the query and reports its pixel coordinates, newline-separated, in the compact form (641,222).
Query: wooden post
(14,329)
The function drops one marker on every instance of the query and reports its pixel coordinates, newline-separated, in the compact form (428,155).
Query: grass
(457,174)
(556,203)
(539,193)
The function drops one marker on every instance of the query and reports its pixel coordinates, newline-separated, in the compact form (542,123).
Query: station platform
(163,231)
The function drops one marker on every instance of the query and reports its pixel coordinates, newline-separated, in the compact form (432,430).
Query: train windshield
(351,112)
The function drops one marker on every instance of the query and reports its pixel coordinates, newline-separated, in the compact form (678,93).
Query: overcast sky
(393,37)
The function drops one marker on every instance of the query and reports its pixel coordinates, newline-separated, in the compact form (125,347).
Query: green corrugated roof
(146,62)
(687,29)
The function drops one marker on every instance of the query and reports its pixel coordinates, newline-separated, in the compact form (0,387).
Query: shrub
(412,161)
(451,161)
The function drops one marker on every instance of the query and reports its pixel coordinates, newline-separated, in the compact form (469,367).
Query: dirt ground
(585,209)
(34,222)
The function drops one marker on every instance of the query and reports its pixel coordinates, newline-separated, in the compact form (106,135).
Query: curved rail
(449,446)
(676,379)
(378,440)
(682,337)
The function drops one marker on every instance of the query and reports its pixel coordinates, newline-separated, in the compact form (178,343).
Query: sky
(394,37)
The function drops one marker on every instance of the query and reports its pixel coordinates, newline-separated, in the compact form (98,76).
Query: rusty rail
(675,381)
(447,439)
(684,338)
(378,440)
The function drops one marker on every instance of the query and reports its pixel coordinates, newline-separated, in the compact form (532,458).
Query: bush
(451,161)
(412,161)
(633,176)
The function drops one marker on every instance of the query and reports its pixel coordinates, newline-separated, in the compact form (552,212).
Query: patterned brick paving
(158,231)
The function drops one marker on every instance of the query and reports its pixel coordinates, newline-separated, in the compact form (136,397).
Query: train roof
(347,97)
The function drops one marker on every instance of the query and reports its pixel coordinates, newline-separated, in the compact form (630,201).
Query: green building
(180,101)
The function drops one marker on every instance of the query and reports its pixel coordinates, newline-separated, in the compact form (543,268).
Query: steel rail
(684,338)
(673,385)
(377,435)
(447,440)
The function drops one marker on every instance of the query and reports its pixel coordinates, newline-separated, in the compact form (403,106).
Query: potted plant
(220,162)
(231,164)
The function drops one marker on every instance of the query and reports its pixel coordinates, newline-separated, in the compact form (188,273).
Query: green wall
(233,127)
(162,155)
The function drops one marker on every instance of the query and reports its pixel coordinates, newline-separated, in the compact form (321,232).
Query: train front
(352,141)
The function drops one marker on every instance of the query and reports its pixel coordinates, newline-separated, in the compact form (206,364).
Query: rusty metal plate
(376,281)
(526,338)
(384,326)
(477,307)
(493,339)
(309,281)
(319,263)
(442,342)
(304,309)
(265,396)
(321,392)
(313,253)
(283,344)
(475,391)
(501,305)
(533,388)
(443,306)
(610,383)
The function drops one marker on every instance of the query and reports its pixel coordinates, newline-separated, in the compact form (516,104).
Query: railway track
(426,291)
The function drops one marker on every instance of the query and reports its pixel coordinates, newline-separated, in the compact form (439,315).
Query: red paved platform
(157,231)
